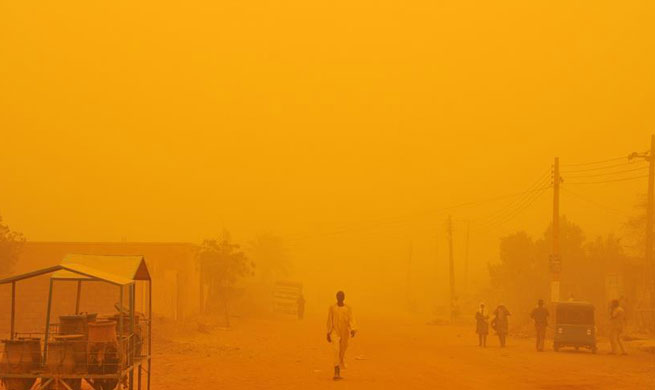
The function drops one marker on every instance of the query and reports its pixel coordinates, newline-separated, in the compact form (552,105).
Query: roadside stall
(107,352)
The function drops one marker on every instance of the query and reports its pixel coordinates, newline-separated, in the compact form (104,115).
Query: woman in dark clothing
(500,323)
(481,325)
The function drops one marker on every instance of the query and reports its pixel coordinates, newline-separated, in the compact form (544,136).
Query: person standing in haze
(301,306)
(500,323)
(540,316)
(340,328)
(481,325)
(617,319)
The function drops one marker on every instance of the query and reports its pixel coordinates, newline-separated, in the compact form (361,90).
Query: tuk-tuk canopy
(118,270)
(575,313)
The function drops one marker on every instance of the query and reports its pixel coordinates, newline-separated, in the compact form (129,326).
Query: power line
(595,203)
(516,207)
(517,212)
(407,218)
(523,201)
(507,215)
(595,162)
(609,181)
(610,173)
(517,203)
(540,183)
(600,168)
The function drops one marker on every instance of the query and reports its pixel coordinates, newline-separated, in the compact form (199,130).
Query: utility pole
(409,275)
(452,267)
(466,257)
(649,264)
(555,259)
(437,264)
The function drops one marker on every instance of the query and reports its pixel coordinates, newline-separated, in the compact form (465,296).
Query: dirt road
(288,354)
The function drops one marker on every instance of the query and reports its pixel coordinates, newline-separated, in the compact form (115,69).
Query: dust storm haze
(348,130)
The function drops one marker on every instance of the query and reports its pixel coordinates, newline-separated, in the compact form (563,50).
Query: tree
(11,243)
(571,243)
(520,272)
(222,264)
(606,272)
(270,255)
(522,276)
(592,271)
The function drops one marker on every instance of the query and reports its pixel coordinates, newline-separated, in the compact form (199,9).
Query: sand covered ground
(283,353)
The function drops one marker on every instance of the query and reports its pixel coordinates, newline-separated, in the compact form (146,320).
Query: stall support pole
(131,342)
(47,325)
(77,299)
(120,323)
(13,310)
(149,331)
(132,309)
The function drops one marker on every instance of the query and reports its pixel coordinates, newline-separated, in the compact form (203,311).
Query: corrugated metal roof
(113,269)
(64,274)
(119,270)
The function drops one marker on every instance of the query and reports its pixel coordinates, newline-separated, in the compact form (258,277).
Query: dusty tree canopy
(222,263)
(11,243)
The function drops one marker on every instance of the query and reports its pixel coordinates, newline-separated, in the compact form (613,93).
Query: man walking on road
(540,316)
(340,328)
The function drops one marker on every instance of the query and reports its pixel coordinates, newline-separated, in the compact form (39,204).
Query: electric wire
(516,211)
(595,162)
(622,165)
(494,227)
(520,201)
(400,220)
(508,214)
(539,184)
(609,181)
(608,173)
(604,207)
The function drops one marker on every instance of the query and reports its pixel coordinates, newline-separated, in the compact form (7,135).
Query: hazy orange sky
(157,120)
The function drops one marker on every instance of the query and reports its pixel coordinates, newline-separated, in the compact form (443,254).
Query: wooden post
(149,331)
(451,267)
(121,327)
(47,324)
(556,261)
(408,287)
(466,257)
(131,342)
(647,299)
(201,309)
(650,210)
(13,310)
(133,308)
(77,299)
(180,298)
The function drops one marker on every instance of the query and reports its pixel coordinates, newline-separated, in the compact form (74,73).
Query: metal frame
(126,369)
